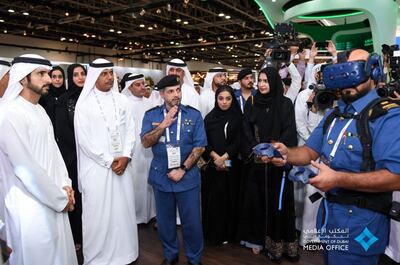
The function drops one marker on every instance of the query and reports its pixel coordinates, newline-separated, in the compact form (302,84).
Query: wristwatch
(184,168)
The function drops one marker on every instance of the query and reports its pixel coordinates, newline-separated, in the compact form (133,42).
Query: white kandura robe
(306,211)
(34,173)
(108,203)
(207,102)
(190,96)
(144,197)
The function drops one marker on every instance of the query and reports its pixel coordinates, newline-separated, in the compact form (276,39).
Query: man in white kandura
(215,78)
(36,187)
(105,136)
(190,96)
(135,88)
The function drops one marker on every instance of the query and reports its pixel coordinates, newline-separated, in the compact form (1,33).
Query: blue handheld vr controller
(351,74)
(266,149)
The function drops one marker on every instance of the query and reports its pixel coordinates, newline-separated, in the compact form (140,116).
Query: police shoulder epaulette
(387,105)
(382,108)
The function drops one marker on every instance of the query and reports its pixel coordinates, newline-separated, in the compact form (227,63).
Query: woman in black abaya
(220,179)
(267,220)
(64,131)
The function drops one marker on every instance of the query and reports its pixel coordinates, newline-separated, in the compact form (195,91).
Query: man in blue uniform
(356,203)
(177,137)
(246,81)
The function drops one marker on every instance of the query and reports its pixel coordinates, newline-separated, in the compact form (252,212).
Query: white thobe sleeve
(129,136)
(301,114)
(15,145)
(308,73)
(86,141)
(295,86)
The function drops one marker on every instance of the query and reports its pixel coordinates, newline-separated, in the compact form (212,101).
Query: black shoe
(170,262)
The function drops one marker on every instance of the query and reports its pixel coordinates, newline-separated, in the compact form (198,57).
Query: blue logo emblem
(366,239)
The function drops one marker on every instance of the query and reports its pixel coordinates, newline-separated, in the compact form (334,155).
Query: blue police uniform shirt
(192,135)
(348,158)
(240,99)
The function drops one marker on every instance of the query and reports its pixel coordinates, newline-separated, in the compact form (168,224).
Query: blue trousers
(188,203)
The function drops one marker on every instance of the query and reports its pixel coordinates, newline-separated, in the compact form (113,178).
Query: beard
(349,98)
(40,90)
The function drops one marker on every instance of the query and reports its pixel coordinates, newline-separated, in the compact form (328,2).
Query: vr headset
(351,74)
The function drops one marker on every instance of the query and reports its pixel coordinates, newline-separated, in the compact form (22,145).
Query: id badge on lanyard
(174,151)
(115,142)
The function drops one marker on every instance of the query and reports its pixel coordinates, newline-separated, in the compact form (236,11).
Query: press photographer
(391,55)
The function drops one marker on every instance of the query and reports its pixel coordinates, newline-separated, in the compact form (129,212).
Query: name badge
(115,142)
(174,156)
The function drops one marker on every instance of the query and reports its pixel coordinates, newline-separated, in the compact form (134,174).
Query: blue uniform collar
(360,103)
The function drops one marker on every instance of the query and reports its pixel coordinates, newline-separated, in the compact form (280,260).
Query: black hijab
(57,91)
(218,117)
(70,71)
(267,111)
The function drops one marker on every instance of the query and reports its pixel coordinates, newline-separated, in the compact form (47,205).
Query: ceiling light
(119,32)
(62,39)
(221,14)
(1,20)
(25,13)
(227,17)
(11,10)
(93,36)
(177,43)
(24,33)
(171,42)
(158,11)
(150,28)
(111,30)
(111,18)
(71,40)
(5,31)
(178,20)
(66,14)
(141,25)
(169,7)
(92,20)
(273,1)
(133,15)
(142,12)
(231,36)
(185,22)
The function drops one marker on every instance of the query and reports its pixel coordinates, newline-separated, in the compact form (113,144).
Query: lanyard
(241,102)
(102,112)
(178,126)
(340,136)
(225,128)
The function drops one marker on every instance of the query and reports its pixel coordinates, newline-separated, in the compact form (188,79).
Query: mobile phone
(322,44)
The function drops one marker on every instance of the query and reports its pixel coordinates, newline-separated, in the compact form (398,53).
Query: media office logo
(366,239)
(326,239)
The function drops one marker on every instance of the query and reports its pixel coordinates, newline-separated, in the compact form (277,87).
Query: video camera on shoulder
(323,98)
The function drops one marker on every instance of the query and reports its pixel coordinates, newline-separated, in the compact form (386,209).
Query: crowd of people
(85,159)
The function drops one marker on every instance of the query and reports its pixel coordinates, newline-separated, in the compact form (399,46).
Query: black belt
(361,202)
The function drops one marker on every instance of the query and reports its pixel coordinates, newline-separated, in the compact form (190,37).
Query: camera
(388,89)
(285,36)
(323,98)
(392,54)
